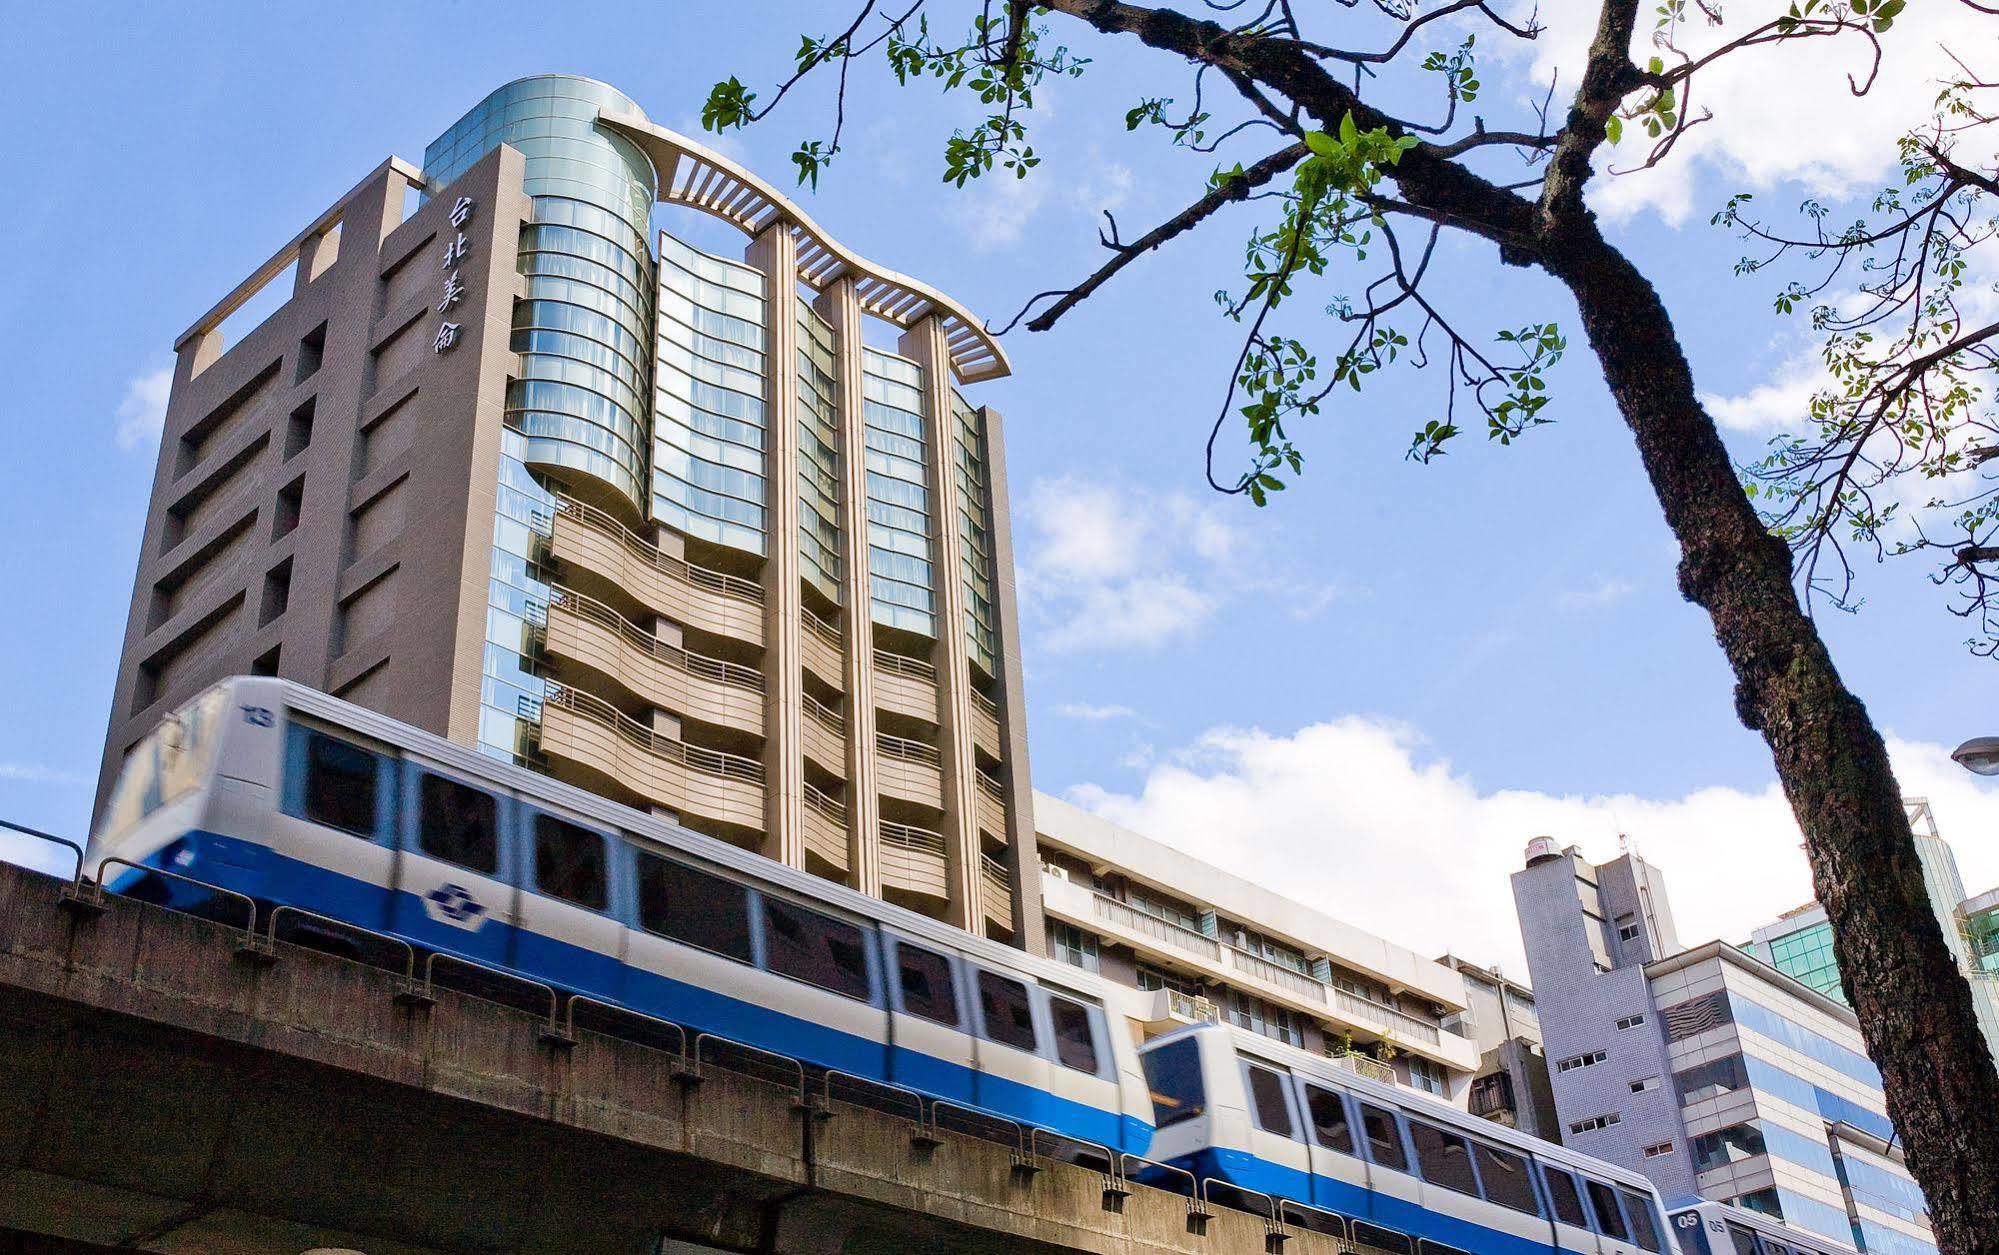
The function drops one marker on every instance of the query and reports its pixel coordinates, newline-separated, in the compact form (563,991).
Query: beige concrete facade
(322,507)
(333,489)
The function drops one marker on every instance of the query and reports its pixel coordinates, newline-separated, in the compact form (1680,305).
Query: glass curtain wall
(903,584)
(975,535)
(818,455)
(584,327)
(712,432)
(576,409)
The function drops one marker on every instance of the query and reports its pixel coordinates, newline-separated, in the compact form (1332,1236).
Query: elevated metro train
(289,797)
(1413,1174)
(1705,1228)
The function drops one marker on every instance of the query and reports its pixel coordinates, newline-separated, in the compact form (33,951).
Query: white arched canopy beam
(703,179)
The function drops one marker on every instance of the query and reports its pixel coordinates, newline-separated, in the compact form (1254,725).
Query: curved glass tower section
(581,399)
(713,430)
(903,590)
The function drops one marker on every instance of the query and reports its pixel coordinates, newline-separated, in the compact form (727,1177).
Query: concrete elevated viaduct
(168,1084)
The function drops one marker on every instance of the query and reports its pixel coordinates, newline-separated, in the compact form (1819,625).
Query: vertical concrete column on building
(840,306)
(775,252)
(924,344)
(1023,860)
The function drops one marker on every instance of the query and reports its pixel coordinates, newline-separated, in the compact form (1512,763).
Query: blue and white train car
(288,796)
(1702,1227)
(1410,1174)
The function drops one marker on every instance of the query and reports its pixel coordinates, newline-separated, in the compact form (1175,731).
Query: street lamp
(1979,754)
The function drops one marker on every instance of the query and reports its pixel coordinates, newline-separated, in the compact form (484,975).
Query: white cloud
(1110,565)
(1782,114)
(38,773)
(1084,710)
(993,209)
(1606,591)
(143,411)
(1352,817)
(1781,402)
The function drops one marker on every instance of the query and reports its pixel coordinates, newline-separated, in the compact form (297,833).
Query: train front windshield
(172,759)
(1173,1074)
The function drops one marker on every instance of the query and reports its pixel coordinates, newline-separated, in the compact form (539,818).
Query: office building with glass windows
(1193,942)
(1799,942)
(710,530)
(1707,1069)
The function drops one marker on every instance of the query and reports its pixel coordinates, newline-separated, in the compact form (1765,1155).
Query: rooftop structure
(1706,1069)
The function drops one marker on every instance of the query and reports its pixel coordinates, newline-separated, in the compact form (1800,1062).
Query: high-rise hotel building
(715,536)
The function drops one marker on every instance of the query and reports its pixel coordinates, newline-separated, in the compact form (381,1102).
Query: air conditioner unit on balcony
(1060,873)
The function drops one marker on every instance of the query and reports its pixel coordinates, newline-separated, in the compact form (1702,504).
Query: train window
(458,824)
(1443,1158)
(1742,1239)
(569,862)
(815,948)
(337,783)
(1603,1200)
(927,988)
(691,906)
(1642,1226)
(1009,1019)
(1329,1119)
(1384,1140)
(1075,1042)
(1173,1074)
(1504,1175)
(1568,1203)
(1266,1095)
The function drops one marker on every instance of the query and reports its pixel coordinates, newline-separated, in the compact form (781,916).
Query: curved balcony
(824,736)
(584,631)
(595,736)
(985,724)
(995,891)
(727,605)
(912,859)
(825,828)
(821,649)
(909,771)
(989,805)
(906,686)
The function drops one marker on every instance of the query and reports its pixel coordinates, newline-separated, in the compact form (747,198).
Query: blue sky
(1499,631)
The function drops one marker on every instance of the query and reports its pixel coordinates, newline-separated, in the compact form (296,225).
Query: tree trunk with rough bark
(1914,1006)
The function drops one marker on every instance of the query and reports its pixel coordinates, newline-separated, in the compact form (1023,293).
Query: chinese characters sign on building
(454,288)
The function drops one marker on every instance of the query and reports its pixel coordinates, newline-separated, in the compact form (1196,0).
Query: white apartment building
(1192,941)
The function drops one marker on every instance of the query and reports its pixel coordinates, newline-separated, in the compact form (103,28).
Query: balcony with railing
(1277,974)
(995,891)
(820,646)
(582,631)
(985,724)
(912,860)
(713,601)
(1400,1024)
(905,685)
(1133,920)
(824,736)
(825,827)
(910,771)
(1361,1065)
(989,805)
(587,733)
